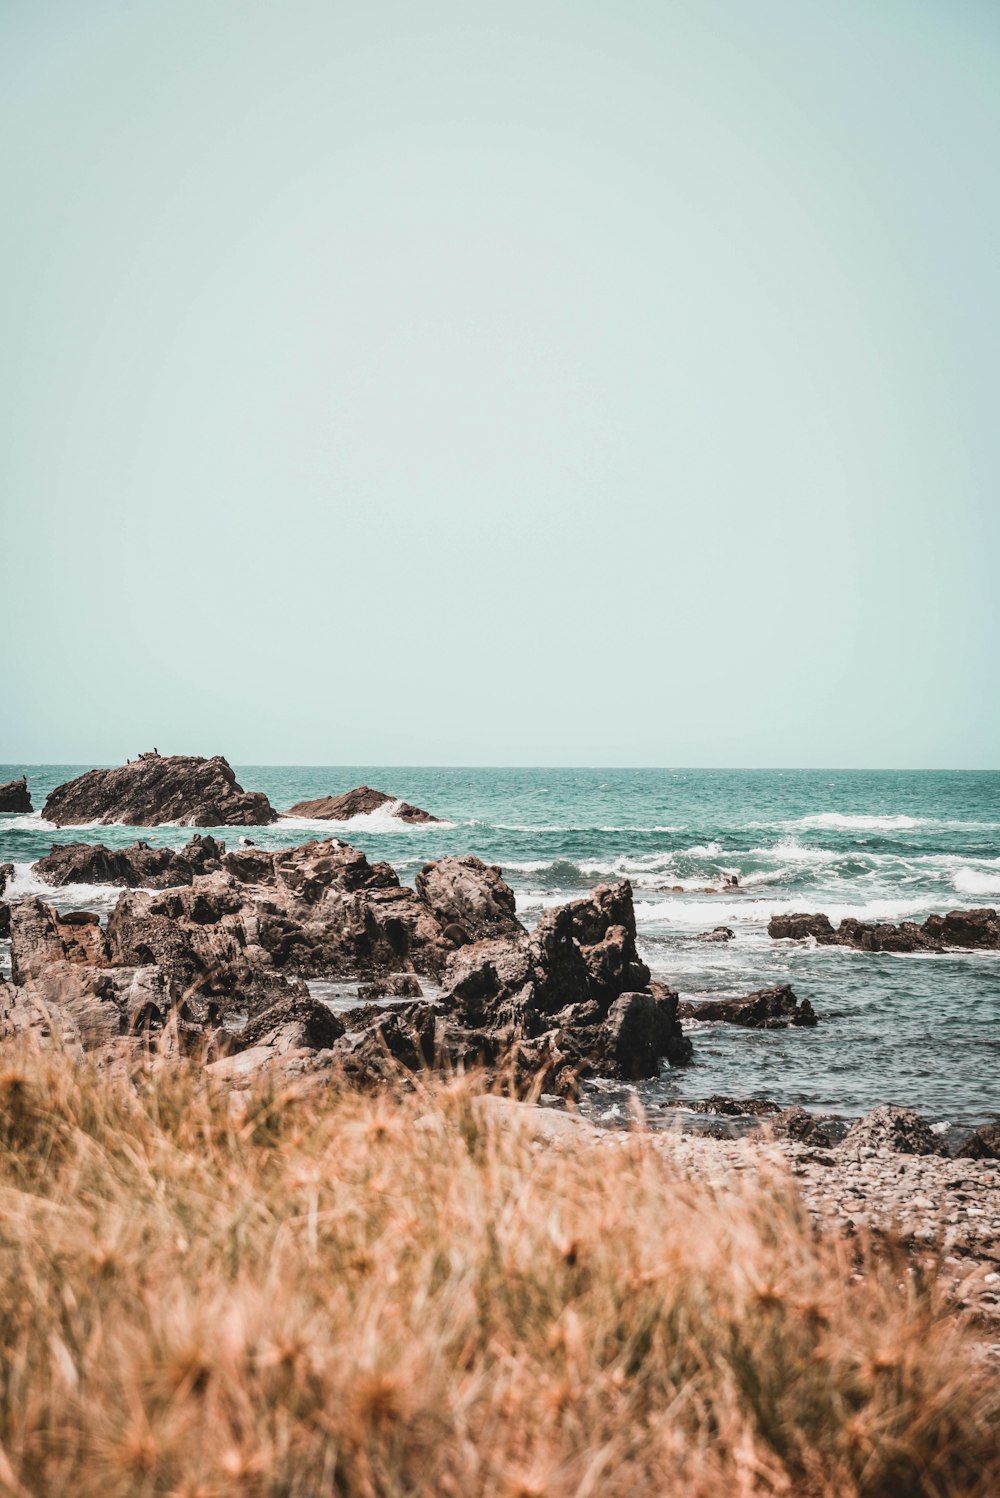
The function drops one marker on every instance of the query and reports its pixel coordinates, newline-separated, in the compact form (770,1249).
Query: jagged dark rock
(956,930)
(138,866)
(892,1128)
(767,1009)
(470,895)
(357,803)
(298,1020)
(14,796)
(185,790)
(718,933)
(796,1123)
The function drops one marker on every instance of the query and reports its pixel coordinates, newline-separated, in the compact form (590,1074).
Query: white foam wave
(861,823)
(791,851)
(25,882)
(383,819)
(976,881)
(751,912)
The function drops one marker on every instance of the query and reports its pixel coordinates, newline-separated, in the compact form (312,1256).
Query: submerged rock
(357,803)
(718,933)
(14,796)
(767,1009)
(957,929)
(185,790)
(136,866)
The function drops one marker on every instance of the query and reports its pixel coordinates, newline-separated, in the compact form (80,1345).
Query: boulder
(891,1128)
(799,926)
(982,1144)
(185,790)
(14,796)
(719,933)
(957,930)
(766,1009)
(138,866)
(471,895)
(358,803)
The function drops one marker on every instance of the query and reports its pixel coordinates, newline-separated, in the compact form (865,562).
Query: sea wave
(862,823)
(970,881)
(25,883)
(383,819)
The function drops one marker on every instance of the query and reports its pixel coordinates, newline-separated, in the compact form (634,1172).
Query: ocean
(921,1031)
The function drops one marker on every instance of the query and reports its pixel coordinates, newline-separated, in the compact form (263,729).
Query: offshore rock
(891,1128)
(718,933)
(767,1009)
(138,866)
(961,930)
(14,796)
(185,790)
(358,803)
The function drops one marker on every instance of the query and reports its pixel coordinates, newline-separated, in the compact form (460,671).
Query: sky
(538,383)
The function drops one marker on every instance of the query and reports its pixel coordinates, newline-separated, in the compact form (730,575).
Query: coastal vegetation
(207,1292)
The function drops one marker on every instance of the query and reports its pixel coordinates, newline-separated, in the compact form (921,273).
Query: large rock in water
(14,796)
(185,790)
(767,1009)
(957,930)
(138,866)
(358,803)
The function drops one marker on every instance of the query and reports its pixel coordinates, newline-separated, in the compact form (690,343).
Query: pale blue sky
(534,383)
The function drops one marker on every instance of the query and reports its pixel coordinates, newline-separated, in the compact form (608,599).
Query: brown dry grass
(410,1295)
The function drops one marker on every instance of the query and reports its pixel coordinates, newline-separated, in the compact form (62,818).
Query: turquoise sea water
(917,1030)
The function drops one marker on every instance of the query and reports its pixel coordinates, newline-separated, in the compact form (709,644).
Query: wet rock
(958,929)
(391,986)
(357,803)
(797,1124)
(798,926)
(733,1107)
(718,933)
(891,1128)
(471,895)
(138,866)
(767,1009)
(183,789)
(14,796)
(982,1144)
(965,928)
(638,1033)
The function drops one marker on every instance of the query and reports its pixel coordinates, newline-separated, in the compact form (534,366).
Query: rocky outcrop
(138,866)
(358,803)
(961,930)
(718,933)
(185,790)
(570,999)
(544,1009)
(14,796)
(767,1009)
(890,1128)
(66,985)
